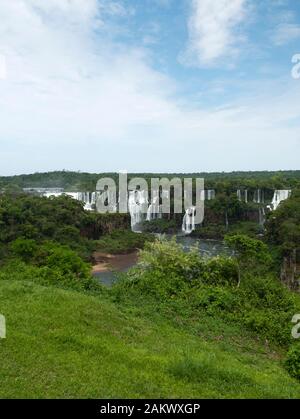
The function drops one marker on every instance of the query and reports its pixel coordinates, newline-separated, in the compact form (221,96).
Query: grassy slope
(67,344)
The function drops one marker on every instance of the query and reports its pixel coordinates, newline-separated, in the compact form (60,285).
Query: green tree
(24,248)
(248,252)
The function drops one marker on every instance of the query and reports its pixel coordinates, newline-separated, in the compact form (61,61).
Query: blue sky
(149,85)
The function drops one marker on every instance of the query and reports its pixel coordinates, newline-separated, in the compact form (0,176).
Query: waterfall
(262,216)
(155,210)
(138,207)
(188,224)
(279,196)
(226,220)
(85,197)
(207,194)
(51,194)
(210,194)
(88,198)
(257,196)
(74,195)
(242,193)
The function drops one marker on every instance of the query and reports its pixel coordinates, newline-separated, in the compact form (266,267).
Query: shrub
(219,270)
(122,241)
(50,263)
(24,248)
(160,226)
(211,231)
(183,283)
(43,275)
(215,298)
(292,362)
(166,259)
(63,259)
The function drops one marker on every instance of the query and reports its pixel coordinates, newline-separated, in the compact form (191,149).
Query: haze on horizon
(149,86)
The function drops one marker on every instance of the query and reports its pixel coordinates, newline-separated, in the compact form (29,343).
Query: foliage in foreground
(292,362)
(17,270)
(66,344)
(49,264)
(187,285)
(248,252)
(75,344)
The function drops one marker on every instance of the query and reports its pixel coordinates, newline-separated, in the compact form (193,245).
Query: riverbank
(107,262)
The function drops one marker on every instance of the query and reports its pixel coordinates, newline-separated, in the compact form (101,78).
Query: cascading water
(140,211)
(242,194)
(85,197)
(210,194)
(188,224)
(259,196)
(51,194)
(43,191)
(262,216)
(279,196)
(89,199)
(155,210)
(138,207)
(226,220)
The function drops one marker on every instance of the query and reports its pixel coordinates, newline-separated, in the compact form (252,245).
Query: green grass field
(67,344)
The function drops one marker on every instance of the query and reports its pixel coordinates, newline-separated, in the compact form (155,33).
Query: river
(207,248)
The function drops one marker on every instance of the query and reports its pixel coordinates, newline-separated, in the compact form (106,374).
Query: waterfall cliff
(138,207)
(279,196)
(242,195)
(188,223)
(155,210)
(262,216)
(259,196)
(210,194)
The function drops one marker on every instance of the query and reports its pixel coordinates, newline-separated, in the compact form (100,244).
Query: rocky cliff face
(290,271)
(99,224)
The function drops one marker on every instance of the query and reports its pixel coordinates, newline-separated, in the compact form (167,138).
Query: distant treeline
(78,181)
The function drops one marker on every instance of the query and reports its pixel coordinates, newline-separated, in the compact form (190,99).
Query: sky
(149,85)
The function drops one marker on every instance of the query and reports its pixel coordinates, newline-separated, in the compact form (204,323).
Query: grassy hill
(63,343)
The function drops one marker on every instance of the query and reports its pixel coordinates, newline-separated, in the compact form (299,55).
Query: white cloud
(65,82)
(213,30)
(285,33)
(75,99)
(2,67)
(116,8)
